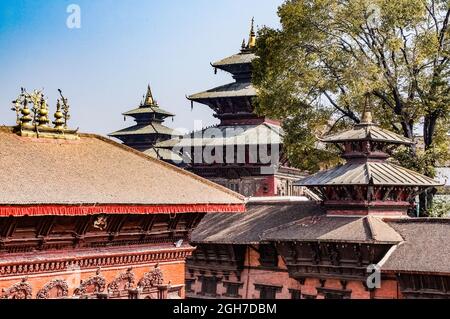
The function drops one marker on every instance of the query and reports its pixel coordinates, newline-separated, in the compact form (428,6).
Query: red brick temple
(84,217)
(329,248)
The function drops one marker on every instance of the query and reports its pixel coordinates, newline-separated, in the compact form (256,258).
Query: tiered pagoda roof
(149,128)
(368,179)
(234,100)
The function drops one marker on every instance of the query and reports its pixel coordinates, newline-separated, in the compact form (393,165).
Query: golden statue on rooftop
(34,122)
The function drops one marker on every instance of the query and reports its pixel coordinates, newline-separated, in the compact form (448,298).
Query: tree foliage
(314,72)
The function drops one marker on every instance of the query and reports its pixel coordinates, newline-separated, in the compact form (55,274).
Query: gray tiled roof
(154,128)
(248,228)
(235,89)
(367,132)
(229,135)
(370,173)
(148,110)
(426,248)
(335,229)
(240,58)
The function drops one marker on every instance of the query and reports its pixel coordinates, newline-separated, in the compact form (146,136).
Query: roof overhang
(86,210)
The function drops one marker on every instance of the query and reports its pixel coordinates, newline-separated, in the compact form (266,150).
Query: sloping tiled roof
(235,89)
(373,173)
(154,128)
(148,110)
(229,135)
(240,58)
(335,229)
(96,171)
(370,132)
(426,248)
(248,228)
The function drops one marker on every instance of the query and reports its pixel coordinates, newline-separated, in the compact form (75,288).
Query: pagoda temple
(82,216)
(245,150)
(335,247)
(368,183)
(149,128)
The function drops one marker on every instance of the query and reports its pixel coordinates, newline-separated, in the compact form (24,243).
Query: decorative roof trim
(70,210)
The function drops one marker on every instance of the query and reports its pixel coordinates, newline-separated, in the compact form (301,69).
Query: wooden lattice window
(295,294)
(209,286)
(268,256)
(268,292)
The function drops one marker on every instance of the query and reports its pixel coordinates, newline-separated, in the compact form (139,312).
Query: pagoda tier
(367,183)
(233,101)
(149,128)
(244,152)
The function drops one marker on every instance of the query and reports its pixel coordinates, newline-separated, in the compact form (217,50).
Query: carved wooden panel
(21,290)
(151,279)
(122,284)
(91,286)
(55,289)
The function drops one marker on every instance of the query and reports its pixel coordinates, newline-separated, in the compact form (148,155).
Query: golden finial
(59,117)
(252,37)
(43,112)
(367,116)
(65,108)
(34,121)
(149,97)
(26,118)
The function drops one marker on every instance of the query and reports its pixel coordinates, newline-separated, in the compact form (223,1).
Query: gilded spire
(26,118)
(149,97)
(65,109)
(252,37)
(59,117)
(33,122)
(43,113)
(367,115)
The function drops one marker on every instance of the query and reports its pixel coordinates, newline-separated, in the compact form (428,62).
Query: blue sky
(104,67)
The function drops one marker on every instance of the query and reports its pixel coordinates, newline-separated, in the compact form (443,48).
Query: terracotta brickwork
(99,282)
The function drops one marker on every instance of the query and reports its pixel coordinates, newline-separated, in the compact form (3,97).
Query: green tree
(314,72)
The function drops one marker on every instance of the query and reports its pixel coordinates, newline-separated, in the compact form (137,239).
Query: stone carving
(62,289)
(21,290)
(123,282)
(152,279)
(98,282)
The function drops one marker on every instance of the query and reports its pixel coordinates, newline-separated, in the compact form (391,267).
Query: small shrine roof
(367,131)
(369,173)
(235,89)
(249,227)
(323,228)
(93,174)
(153,128)
(425,248)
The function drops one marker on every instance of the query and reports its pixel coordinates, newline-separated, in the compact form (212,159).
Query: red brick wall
(173,272)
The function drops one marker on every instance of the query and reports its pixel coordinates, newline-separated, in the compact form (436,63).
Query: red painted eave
(85,210)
